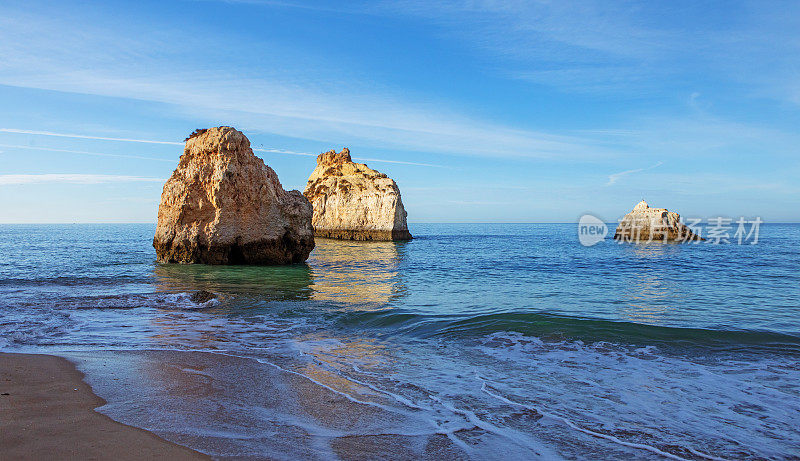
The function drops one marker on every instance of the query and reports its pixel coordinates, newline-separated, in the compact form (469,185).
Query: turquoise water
(509,337)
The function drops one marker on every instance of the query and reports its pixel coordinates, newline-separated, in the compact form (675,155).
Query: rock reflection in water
(650,296)
(657,249)
(238,289)
(335,357)
(174,329)
(648,300)
(268,282)
(362,275)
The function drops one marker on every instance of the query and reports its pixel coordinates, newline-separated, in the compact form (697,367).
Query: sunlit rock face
(645,224)
(223,205)
(354,202)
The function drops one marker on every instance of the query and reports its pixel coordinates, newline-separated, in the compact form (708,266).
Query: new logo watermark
(591,230)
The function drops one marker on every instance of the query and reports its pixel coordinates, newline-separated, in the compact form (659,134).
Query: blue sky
(481,111)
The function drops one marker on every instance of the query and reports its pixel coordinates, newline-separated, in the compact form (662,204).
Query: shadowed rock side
(354,202)
(645,224)
(223,205)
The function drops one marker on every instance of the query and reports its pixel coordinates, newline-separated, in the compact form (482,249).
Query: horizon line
(414,222)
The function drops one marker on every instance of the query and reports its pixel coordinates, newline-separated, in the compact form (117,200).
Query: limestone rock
(354,202)
(202,296)
(645,224)
(223,205)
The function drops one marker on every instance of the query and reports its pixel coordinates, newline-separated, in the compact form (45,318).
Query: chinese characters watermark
(657,228)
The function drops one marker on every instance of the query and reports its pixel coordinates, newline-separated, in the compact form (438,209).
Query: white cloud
(16,179)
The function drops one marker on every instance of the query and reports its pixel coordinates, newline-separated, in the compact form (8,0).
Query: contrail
(8,179)
(282,151)
(82,136)
(308,154)
(98,154)
(174,143)
(400,162)
(612,179)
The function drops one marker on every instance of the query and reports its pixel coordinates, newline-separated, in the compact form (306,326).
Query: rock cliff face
(645,224)
(354,202)
(223,205)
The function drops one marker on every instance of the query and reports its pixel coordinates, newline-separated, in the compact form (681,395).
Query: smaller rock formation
(645,224)
(202,297)
(354,202)
(223,205)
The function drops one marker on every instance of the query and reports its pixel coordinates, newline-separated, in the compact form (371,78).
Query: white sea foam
(639,398)
(651,399)
(601,435)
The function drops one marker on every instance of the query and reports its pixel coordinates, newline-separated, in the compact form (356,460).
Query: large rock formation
(645,224)
(223,205)
(354,202)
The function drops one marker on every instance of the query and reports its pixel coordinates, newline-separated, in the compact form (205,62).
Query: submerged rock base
(363,235)
(286,250)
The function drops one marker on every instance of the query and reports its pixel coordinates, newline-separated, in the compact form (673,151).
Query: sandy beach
(47,412)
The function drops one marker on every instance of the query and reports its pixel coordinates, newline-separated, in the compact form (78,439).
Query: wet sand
(239,408)
(47,412)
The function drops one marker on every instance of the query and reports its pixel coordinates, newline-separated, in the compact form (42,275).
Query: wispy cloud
(15,179)
(612,179)
(699,184)
(479,202)
(608,46)
(279,99)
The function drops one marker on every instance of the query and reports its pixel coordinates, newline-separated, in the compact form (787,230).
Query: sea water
(473,340)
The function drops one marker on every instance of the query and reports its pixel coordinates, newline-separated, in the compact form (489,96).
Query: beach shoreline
(48,411)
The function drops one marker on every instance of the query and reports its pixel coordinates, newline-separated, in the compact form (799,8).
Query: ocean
(472,341)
